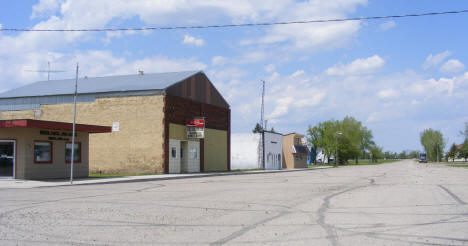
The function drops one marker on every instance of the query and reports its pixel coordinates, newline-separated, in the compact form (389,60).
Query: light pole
(336,146)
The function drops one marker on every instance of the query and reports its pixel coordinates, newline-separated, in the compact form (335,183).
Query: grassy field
(361,162)
(458,165)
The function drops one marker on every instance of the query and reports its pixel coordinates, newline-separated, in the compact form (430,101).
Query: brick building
(148,114)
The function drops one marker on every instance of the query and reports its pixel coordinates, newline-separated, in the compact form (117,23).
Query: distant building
(161,123)
(273,150)
(294,151)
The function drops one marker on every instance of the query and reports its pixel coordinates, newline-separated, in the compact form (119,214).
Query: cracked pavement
(403,203)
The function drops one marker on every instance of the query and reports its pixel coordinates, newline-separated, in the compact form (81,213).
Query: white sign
(115,126)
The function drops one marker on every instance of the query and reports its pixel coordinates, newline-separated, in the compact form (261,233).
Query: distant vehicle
(422,158)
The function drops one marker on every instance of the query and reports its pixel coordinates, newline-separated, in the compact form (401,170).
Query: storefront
(35,149)
(148,114)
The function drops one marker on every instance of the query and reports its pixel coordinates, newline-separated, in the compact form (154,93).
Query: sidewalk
(9,183)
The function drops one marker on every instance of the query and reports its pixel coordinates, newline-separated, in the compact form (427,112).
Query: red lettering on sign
(196,123)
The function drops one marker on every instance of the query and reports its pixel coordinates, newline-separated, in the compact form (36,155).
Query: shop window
(297,157)
(42,152)
(76,154)
(174,152)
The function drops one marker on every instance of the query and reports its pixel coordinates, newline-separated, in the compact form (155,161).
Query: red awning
(53,125)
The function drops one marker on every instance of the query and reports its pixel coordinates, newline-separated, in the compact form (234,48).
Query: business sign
(195,128)
(196,123)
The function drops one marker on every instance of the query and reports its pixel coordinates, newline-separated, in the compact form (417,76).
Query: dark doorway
(7,158)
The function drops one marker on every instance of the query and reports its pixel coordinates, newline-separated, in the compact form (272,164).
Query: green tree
(353,133)
(402,155)
(376,153)
(463,152)
(465,131)
(433,143)
(257,128)
(452,152)
(413,154)
(353,142)
(314,139)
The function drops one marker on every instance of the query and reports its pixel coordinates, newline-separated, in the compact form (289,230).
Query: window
(76,154)
(42,152)
(174,152)
(193,153)
(297,141)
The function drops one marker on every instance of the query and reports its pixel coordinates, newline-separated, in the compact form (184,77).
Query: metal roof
(143,82)
(301,149)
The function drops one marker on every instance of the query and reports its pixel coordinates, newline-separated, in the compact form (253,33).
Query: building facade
(272,150)
(32,149)
(148,114)
(294,151)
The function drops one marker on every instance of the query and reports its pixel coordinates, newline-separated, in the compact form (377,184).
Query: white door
(174,156)
(7,158)
(193,157)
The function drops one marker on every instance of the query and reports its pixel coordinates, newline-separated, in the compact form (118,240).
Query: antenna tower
(48,71)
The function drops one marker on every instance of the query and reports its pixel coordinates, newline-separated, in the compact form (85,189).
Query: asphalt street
(403,203)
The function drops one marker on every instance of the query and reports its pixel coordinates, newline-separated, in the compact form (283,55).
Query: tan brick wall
(136,148)
(289,160)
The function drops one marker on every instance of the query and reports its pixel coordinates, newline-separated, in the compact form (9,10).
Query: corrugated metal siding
(32,103)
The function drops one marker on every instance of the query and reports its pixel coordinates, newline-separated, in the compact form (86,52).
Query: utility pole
(263,104)
(336,146)
(72,158)
(261,144)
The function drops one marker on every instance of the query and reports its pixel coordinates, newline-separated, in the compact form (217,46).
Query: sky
(397,76)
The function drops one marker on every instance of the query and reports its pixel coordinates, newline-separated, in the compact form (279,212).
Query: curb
(188,177)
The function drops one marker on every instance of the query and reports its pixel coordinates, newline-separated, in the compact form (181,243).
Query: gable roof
(155,81)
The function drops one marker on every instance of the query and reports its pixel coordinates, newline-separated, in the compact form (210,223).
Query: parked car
(422,158)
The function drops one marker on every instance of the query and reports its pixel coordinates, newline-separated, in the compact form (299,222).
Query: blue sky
(397,76)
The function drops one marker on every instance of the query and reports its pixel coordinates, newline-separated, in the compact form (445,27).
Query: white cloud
(190,40)
(452,67)
(92,63)
(282,107)
(435,60)
(388,94)
(298,73)
(270,68)
(219,60)
(45,8)
(363,66)
(310,36)
(387,25)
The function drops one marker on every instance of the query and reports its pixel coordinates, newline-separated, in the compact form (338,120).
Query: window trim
(51,152)
(79,157)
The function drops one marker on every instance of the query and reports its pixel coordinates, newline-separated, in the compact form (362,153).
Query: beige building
(32,149)
(294,151)
(151,117)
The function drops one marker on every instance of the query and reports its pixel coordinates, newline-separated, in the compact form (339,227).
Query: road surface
(402,203)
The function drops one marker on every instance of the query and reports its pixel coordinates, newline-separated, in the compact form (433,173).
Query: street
(403,203)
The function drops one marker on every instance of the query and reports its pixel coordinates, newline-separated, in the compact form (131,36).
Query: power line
(232,25)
